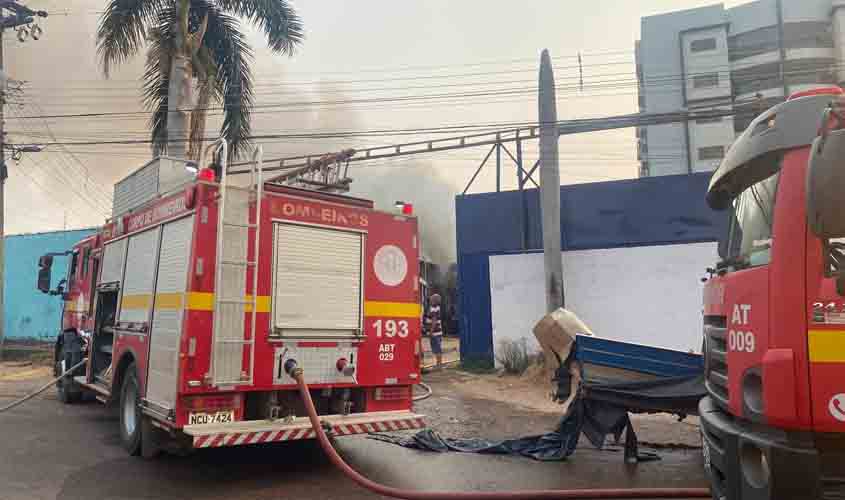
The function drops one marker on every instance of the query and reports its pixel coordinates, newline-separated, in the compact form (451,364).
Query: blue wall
(30,314)
(648,211)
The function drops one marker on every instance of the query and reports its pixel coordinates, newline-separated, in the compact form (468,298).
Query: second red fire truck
(774,308)
(187,305)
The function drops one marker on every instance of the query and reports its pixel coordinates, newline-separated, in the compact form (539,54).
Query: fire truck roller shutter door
(168,311)
(137,296)
(318,282)
(115,254)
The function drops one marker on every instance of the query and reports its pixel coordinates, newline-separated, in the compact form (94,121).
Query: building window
(704,121)
(807,35)
(809,71)
(702,45)
(757,78)
(711,153)
(705,80)
(753,43)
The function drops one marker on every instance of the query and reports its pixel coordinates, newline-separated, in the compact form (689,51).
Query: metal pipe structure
(380,489)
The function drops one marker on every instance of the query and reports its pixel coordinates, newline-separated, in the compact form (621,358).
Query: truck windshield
(749,240)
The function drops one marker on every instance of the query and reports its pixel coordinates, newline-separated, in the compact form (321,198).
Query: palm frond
(122,29)
(277,18)
(232,57)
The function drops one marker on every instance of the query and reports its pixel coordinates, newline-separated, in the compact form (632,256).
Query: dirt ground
(504,406)
(17,378)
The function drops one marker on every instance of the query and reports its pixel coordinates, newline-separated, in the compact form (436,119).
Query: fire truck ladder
(233,298)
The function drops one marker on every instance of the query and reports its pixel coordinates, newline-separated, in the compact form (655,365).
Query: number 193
(390,328)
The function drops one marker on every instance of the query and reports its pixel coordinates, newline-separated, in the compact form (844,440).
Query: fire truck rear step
(264,431)
(98,388)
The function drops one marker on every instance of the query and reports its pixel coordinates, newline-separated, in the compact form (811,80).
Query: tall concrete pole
(2,200)
(550,185)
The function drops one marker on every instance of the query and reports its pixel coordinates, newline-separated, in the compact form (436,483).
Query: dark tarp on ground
(598,411)
(595,419)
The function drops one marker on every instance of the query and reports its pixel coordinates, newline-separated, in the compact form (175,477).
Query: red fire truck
(189,302)
(773,423)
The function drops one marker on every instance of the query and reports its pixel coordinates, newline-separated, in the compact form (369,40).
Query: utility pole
(3,174)
(19,16)
(550,185)
(782,48)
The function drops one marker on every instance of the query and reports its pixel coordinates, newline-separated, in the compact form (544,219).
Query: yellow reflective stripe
(200,301)
(142,301)
(827,346)
(204,301)
(169,301)
(70,306)
(392,309)
(262,305)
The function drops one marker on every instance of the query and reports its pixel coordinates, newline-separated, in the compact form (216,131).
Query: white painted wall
(647,295)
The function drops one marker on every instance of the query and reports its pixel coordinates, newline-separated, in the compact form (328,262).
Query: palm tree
(194,46)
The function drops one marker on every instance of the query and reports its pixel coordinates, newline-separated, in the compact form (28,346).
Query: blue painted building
(30,314)
(646,212)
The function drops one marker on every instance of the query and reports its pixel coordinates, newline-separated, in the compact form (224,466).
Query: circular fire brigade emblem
(390,265)
(837,407)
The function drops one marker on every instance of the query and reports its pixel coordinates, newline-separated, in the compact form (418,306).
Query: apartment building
(744,58)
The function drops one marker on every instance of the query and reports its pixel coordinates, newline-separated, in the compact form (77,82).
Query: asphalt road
(73,452)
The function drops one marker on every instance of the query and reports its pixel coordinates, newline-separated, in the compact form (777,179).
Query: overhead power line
(565,127)
(427,97)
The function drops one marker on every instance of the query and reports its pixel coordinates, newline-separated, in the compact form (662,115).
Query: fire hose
(428,392)
(297,374)
(42,388)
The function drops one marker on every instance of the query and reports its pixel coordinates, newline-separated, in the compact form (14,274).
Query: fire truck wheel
(130,412)
(68,391)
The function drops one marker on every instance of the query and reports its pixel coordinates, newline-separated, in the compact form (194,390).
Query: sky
(375,51)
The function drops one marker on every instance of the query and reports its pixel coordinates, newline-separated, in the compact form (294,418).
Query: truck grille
(832,454)
(833,489)
(716,359)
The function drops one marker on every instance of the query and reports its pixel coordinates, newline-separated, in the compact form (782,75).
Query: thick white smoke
(413,180)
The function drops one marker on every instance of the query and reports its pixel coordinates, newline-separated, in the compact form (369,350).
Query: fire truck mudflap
(264,431)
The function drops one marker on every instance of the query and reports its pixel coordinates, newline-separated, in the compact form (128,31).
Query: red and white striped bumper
(263,431)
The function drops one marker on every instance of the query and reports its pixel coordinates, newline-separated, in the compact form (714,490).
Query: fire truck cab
(773,423)
(189,301)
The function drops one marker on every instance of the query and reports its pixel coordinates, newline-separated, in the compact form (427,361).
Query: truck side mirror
(826,185)
(45,265)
